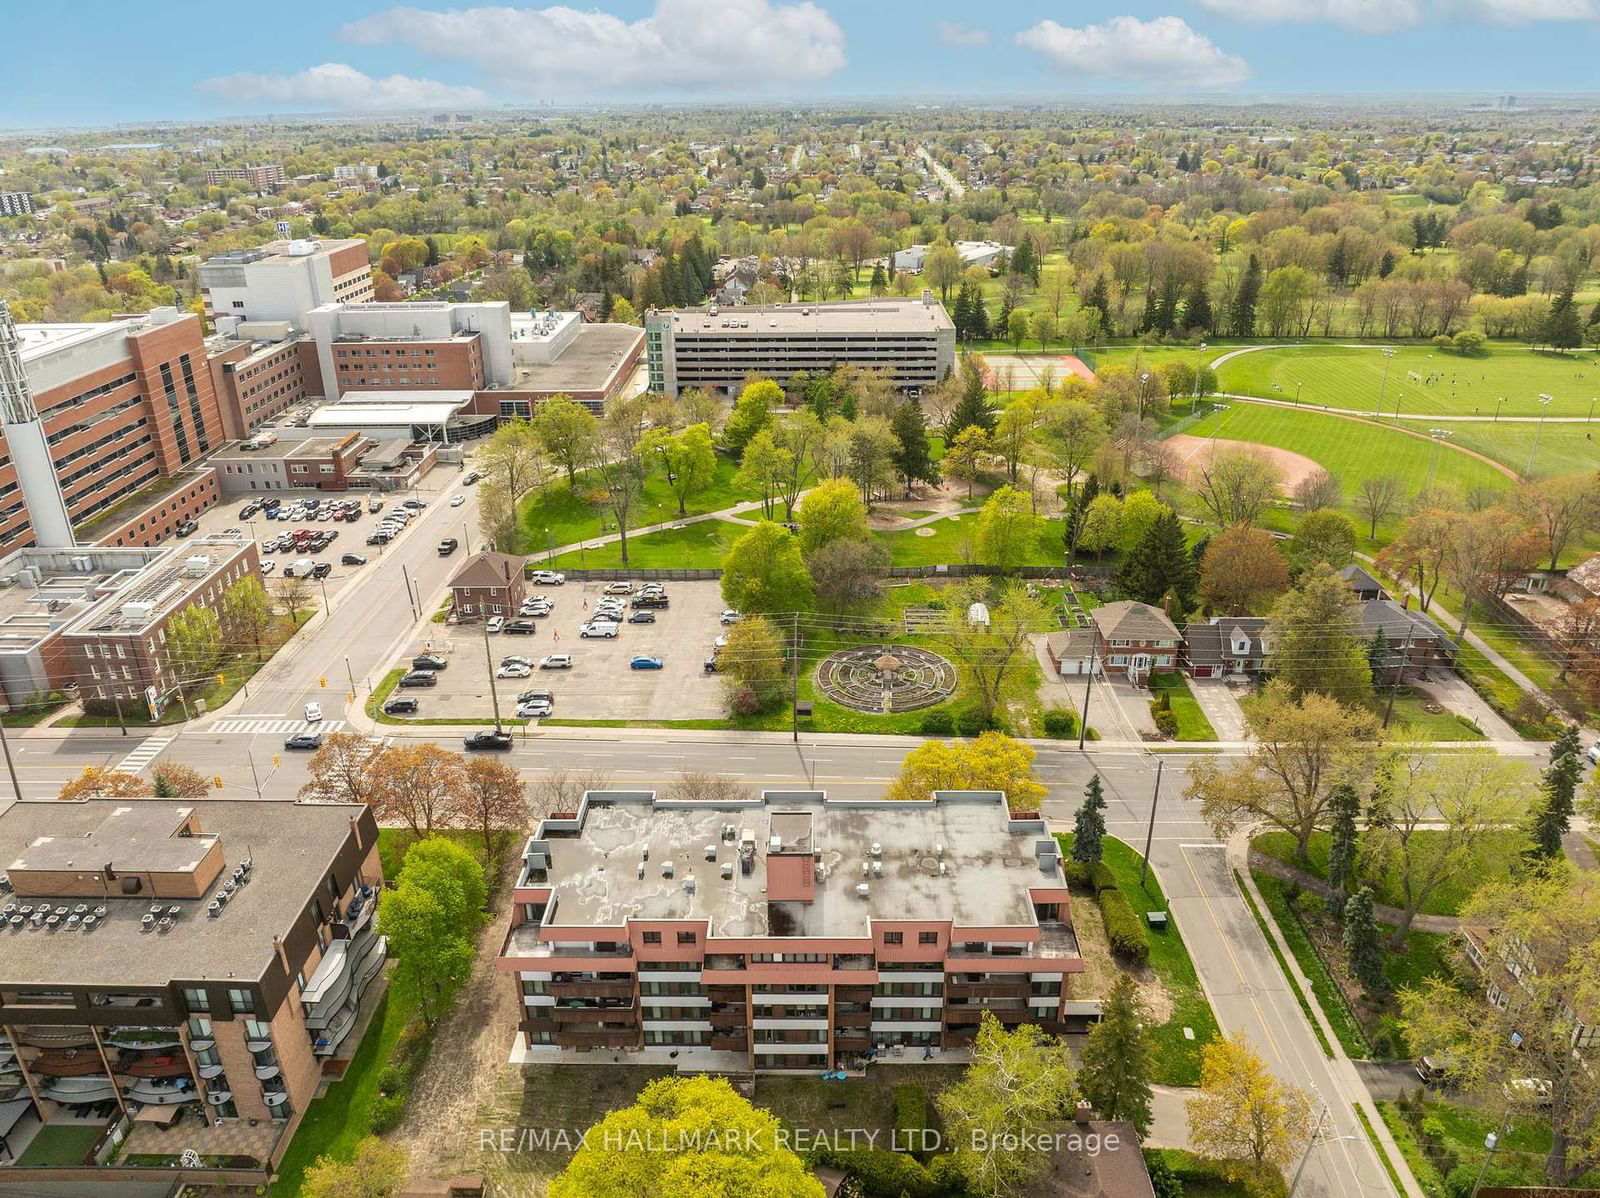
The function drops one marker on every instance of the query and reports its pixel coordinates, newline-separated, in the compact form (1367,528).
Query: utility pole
(16,788)
(404,573)
(1083,724)
(1388,356)
(1150,833)
(1316,1130)
(254,777)
(116,702)
(494,694)
(794,679)
(1405,656)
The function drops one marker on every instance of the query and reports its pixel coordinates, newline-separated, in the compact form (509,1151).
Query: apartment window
(927,937)
(196,999)
(894,938)
(255,1029)
(685,937)
(238,303)
(652,937)
(241,1002)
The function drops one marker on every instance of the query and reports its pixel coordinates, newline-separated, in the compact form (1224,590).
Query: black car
(428,661)
(419,678)
(488,739)
(401,705)
(321,570)
(303,740)
(642,617)
(352,559)
(711,665)
(659,602)
(520,627)
(415,505)
(471,478)
(379,538)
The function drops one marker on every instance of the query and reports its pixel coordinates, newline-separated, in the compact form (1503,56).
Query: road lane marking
(147,752)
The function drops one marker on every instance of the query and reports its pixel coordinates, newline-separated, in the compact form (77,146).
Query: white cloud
(335,85)
(682,44)
(1368,16)
(1164,52)
(954,33)
(1516,12)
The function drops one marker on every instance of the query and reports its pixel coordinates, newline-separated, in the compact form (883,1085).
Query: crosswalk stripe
(147,752)
(247,727)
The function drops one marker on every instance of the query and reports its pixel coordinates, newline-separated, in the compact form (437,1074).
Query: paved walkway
(1389,915)
(1220,702)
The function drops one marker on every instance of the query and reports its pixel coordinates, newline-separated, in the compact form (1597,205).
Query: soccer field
(1557,449)
(1421,380)
(1352,450)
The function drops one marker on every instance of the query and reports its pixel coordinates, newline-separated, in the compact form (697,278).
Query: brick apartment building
(488,584)
(304,463)
(183,974)
(259,177)
(789,931)
(257,381)
(118,406)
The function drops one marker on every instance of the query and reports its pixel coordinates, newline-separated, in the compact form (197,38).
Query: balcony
(854,961)
(592,989)
(523,942)
(144,1037)
(74,1090)
(161,1093)
(611,1038)
(44,1036)
(729,1041)
(852,1018)
(332,998)
(730,1016)
(591,1014)
(70,1063)
(156,1066)
(849,1039)
(1016,989)
(537,1023)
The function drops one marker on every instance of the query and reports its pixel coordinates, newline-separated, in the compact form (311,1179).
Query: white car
(313,713)
(534,709)
(268,566)
(731,617)
(556,661)
(1594,753)
(457,500)
(618,588)
(549,578)
(514,670)
(495,623)
(609,605)
(600,628)
(534,608)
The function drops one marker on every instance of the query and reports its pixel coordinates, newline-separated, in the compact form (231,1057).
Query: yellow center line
(1238,969)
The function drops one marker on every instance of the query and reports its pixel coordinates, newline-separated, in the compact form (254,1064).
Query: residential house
(1503,977)
(1412,641)
(1070,651)
(1362,585)
(1227,647)
(489,584)
(1132,639)
(1093,1158)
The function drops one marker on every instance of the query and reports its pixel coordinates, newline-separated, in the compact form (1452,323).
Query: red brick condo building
(788,932)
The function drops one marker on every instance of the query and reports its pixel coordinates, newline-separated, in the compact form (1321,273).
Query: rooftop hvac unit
(711,852)
(82,564)
(9,580)
(877,869)
(727,871)
(866,868)
(774,844)
(197,567)
(641,869)
(666,869)
(138,611)
(877,849)
(688,884)
(863,890)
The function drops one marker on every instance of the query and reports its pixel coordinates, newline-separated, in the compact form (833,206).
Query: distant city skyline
(371,56)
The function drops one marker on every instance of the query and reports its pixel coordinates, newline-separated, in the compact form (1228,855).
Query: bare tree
(341,770)
(494,801)
(1377,498)
(702,786)
(993,652)
(420,784)
(1161,462)
(1318,490)
(1236,486)
(559,791)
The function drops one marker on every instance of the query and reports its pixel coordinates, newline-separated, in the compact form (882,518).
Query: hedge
(1094,876)
(1060,724)
(1253,1180)
(913,1120)
(1123,931)
(884,1174)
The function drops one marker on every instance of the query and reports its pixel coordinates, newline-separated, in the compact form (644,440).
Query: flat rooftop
(381,409)
(283,447)
(163,584)
(291,845)
(278,252)
(590,363)
(988,860)
(40,340)
(880,317)
(69,582)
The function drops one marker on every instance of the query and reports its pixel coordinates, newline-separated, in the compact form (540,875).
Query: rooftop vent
(688,884)
(666,869)
(774,844)
(877,869)
(711,852)
(877,849)
(863,890)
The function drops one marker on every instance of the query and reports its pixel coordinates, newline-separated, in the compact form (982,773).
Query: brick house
(489,584)
(1226,647)
(1412,642)
(1132,639)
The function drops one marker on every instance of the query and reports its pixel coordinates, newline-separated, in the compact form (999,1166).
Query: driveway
(1129,717)
(1455,694)
(1220,702)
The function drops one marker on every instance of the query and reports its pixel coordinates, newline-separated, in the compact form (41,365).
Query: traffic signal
(323,683)
(220,680)
(277,760)
(216,780)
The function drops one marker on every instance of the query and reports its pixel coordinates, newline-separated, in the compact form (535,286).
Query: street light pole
(1083,724)
(1388,356)
(16,788)
(1544,410)
(1198,366)
(1150,833)
(494,694)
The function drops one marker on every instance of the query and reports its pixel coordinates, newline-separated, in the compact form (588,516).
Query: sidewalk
(1388,915)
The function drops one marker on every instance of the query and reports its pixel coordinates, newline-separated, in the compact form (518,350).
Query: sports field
(1351,449)
(1559,448)
(1421,380)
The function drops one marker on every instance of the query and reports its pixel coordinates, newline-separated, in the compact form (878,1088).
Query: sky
(187,60)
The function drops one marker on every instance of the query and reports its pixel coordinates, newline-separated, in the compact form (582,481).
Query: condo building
(259,177)
(180,976)
(913,340)
(789,931)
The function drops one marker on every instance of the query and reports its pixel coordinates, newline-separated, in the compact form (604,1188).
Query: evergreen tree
(1183,161)
(1100,300)
(1386,264)
(1089,824)
(878,284)
(980,315)
(1197,309)
(1345,805)
(1559,786)
(1338,263)
(1023,261)
(972,408)
(1361,942)
(1243,314)
(1594,314)
(433,252)
(1117,1060)
(1159,564)
(1166,314)
(914,460)
(1561,327)
(961,313)
(1566,744)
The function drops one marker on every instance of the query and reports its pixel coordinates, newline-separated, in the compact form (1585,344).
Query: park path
(1308,881)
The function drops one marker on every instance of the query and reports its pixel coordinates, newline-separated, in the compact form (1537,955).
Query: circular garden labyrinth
(886,678)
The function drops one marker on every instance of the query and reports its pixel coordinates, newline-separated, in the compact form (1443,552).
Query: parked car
(609,611)
(556,661)
(528,696)
(520,628)
(374,504)
(489,738)
(656,602)
(313,713)
(1594,753)
(534,607)
(1531,1091)
(428,661)
(268,566)
(415,505)
(642,617)
(448,546)
(646,662)
(401,705)
(731,617)
(419,678)
(352,559)
(534,709)
(514,671)
(711,664)
(188,528)
(472,477)
(1438,1069)
(516,659)
(303,740)
(457,500)
(549,578)
(379,538)
(321,570)
(618,588)
(599,628)
(495,623)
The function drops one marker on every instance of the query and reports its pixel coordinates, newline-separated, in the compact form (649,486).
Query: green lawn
(1561,448)
(1177,1057)
(947,543)
(1338,376)
(1346,1027)
(701,546)
(1410,722)
(556,516)
(61,1144)
(1457,1128)
(1445,900)
(1351,449)
(1192,722)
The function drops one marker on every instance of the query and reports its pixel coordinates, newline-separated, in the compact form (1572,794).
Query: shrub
(385,1113)
(745,701)
(1307,904)
(913,1119)
(1060,724)
(1443,341)
(1095,876)
(937,723)
(1123,932)
(1217,1177)
(884,1174)
(395,1078)
(972,721)
(1166,722)
(1469,341)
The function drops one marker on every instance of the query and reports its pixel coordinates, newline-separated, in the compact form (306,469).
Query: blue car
(644,662)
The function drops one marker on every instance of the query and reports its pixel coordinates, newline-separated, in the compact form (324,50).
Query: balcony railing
(730,1017)
(618,1038)
(591,989)
(593,1014)
(852,1018)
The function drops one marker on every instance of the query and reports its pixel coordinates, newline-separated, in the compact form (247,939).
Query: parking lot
(436,488)
(600,685)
